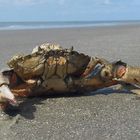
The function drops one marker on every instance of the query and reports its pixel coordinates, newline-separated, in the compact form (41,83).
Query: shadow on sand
(27,106)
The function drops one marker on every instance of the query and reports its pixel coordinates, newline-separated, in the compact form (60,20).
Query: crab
(51,69)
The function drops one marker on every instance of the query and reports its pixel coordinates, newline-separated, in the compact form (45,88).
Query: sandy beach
(102,115)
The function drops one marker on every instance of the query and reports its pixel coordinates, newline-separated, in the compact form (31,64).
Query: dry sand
(105,115)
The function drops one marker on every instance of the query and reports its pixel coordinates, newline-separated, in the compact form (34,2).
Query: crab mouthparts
(121,71)
(7,95)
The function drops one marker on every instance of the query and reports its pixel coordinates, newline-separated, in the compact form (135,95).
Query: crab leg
(94,61)
(24,89)
(98,76)
(111,74)
(129,76)
(94,83)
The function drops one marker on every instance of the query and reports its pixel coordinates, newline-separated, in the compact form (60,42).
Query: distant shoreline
(64,24)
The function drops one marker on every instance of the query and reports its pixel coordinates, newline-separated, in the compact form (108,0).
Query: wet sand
(102,115)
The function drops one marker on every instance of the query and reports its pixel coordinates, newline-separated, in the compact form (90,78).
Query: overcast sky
(69,10)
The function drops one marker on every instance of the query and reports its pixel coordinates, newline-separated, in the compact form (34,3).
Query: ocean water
(68,24)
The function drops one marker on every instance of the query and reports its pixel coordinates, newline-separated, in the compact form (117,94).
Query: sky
(69,10)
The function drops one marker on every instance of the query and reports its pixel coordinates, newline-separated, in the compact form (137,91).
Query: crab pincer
(6,96)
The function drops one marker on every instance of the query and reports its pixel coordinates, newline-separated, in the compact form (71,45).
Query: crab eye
(105,74)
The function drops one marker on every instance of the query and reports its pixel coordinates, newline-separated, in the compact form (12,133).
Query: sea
(61,24)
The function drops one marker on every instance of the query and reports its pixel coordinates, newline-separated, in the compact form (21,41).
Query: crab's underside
(50,69)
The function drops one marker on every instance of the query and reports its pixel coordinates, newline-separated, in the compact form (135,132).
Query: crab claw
(7,95)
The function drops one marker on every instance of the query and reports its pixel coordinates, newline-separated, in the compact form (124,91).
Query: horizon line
(129,20)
